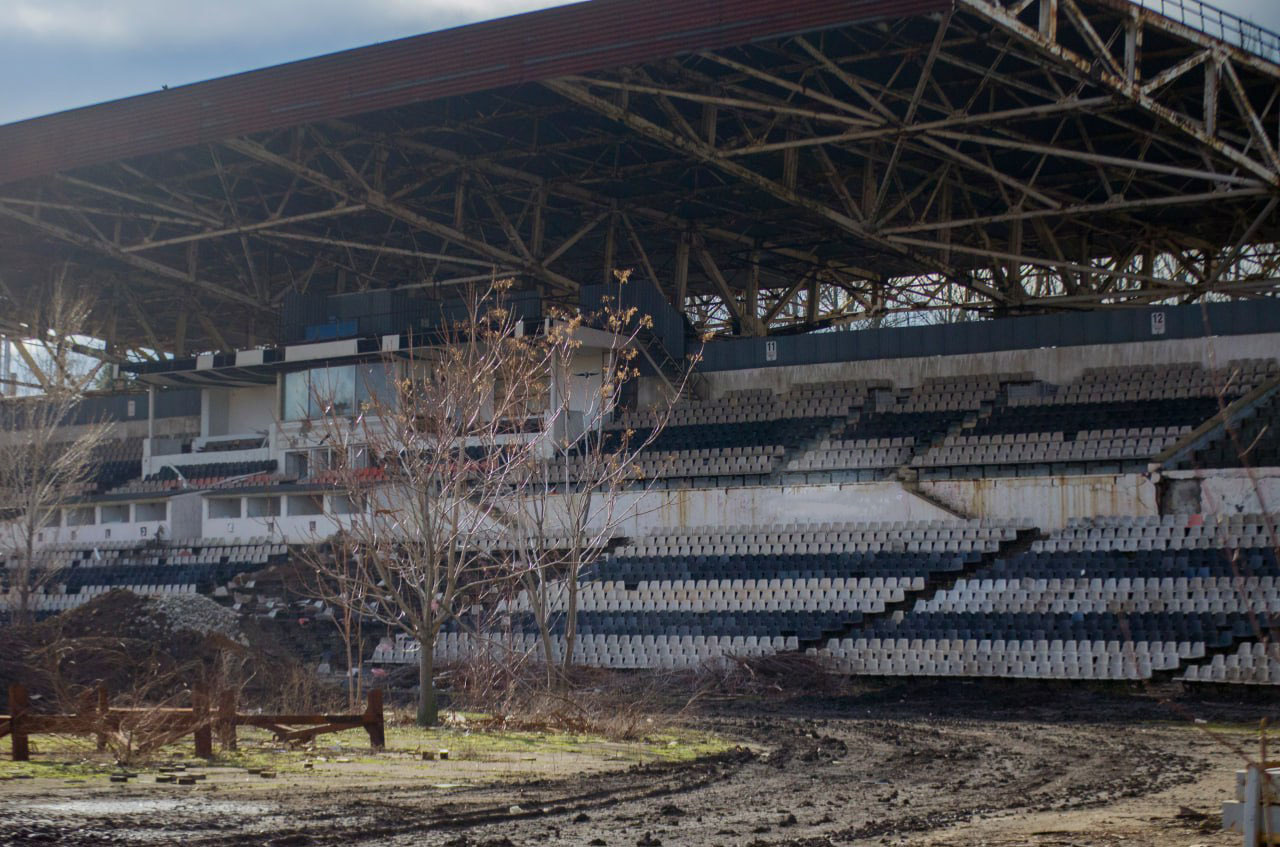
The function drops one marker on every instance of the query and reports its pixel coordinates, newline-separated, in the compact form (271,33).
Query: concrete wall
(186,516)
(1046,502)
(237,411)
(251,410)
(1049,502)
(879,501)
(132,530)
(213,411)
(1235,491)
(1052,364)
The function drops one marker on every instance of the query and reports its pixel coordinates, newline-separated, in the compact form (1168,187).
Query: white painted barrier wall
(1049,502)
(1237,491)
(1045,502)
(759,505)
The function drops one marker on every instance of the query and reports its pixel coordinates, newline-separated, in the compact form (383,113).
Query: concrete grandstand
(995,352)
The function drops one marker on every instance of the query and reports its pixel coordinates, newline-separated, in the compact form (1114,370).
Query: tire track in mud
(638,784)
(812,778)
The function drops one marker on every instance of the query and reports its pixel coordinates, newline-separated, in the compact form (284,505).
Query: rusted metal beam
(1115,82)
(244,228)
(106,248)
(356,190)
(712,156)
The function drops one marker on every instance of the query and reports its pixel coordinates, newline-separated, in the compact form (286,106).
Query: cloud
(149,24)
(60,54)
(49,22)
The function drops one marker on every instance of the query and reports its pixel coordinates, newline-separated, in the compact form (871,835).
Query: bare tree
(492,463)
(47,457)
(591,481)
(428,468)
(346,597)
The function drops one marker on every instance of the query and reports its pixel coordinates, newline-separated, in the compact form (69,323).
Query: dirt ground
(917,763)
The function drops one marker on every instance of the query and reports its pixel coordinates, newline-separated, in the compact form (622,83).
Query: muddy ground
(917,763)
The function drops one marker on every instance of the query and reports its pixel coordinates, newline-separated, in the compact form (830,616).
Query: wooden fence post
(200,717)
(101,717)
(18,707)
(373,720)
(227,718)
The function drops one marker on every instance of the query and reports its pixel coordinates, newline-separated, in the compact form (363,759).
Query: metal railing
(1219,24)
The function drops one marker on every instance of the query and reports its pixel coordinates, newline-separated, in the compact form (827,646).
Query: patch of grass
(468,743)
(56,757)
(45,768)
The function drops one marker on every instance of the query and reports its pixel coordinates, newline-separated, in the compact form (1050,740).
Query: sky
(59,54)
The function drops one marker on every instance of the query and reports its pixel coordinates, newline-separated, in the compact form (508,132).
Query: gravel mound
(195,613)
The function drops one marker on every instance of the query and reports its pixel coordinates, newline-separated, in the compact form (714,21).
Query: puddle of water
(144,805)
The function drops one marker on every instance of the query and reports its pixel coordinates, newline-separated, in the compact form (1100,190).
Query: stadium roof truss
(772,167)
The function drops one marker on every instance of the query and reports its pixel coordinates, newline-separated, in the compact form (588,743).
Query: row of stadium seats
(744,590)
(713,462)
(853,455)
(45,604)
(176,551)
(600,651)
(1049,447)
(1109,420)
(938,394)
(1143,382)
(1172,532)
(816,400)
(1255,663)
(1028,659)
(229,445)
(257,475)
(1253,441)
(804,594)
(1048,612)
(80,573)
(1140,580)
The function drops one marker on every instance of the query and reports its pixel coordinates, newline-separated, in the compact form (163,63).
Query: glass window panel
(374,385)
(297,391)
(333,389)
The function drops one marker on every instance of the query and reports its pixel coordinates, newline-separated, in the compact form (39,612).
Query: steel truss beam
(1003,158)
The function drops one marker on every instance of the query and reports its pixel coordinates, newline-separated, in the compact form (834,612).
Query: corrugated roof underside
(539,45)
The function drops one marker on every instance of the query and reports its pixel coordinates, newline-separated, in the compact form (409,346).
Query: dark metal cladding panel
(539,45)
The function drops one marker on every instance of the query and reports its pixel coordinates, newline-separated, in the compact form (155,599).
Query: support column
(1049,19)
(537,239)
(1212,72)
(682,272)
(752,306)
(610,248)
(180,334)
(19,704)
(7,388)
(203,730)
(1132,47)
(374,723)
